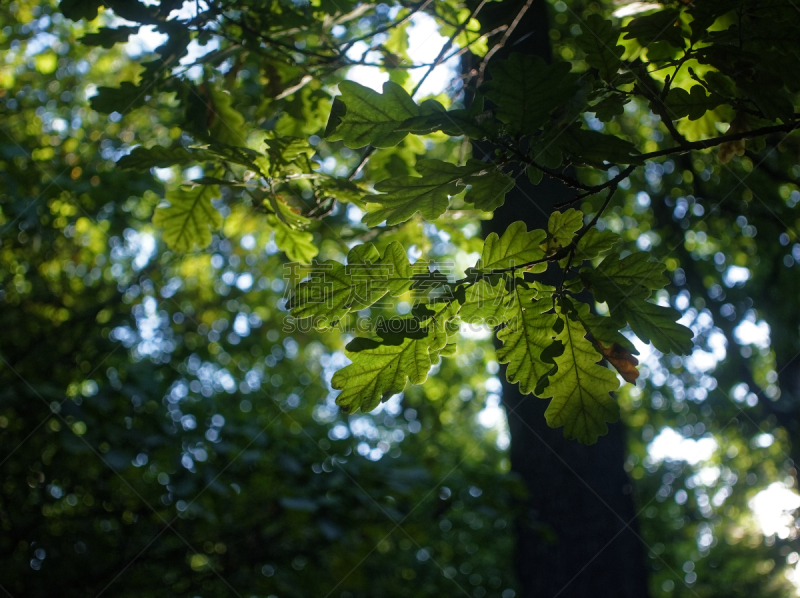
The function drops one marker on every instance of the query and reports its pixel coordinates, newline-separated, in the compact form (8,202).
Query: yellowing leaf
(622,359)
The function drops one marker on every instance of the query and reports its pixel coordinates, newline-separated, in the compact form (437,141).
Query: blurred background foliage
(164,432)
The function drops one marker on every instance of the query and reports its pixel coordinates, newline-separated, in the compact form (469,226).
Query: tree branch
(709,143)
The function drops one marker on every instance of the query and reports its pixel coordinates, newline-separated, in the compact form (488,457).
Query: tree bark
(579,536)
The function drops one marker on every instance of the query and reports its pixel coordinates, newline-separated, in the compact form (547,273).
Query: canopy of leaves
(168,427)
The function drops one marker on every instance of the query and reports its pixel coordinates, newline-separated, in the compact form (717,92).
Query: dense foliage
(169,429)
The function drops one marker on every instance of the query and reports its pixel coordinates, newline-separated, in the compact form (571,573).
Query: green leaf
(534,175)
(656,324)
(297,245)
(599,42)
(439,326)
(489,187)
(225,123)
(330,291)
(547,152)
(333,289)
(527,333)
(472,122)
(608,108)
(593,243)
(664,25)
(80,9)
(108,36)
(427,194)
(120,99)
(484,302)
(584,146)
(142,158)
(635,274)
(287,150)
(380,370)
(769,96)
(719,83)
(398,270)
(189,218)
(580,387)
(693,104)
(526,90)
(625,285)
(373,118)
(603,328)
(338,110)
(516,246)
(561,229)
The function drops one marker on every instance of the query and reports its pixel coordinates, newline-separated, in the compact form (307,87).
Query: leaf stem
(569,249)
(597,188)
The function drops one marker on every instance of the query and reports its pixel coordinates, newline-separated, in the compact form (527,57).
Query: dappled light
(364,300)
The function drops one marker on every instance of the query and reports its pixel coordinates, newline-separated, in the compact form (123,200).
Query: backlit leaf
(296,244)
(580,387)
(332,289)
(189,218)
(380,371)
(561,229)
(371,117)
(526,334)
(489,189)
(614,276)
(517,246)
(593,243)
(656,324)
(427,194)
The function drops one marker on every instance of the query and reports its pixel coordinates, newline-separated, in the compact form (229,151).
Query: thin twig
(385,28)
(502,42)
(439,59)
(447,46)
(597,188)
(558,255)
(362,163)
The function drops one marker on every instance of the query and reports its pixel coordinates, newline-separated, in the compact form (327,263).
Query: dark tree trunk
(579,537)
